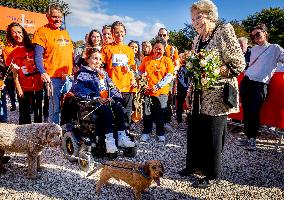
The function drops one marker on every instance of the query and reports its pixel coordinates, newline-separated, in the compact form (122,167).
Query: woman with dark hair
(19,54)
(253,88)
(95,40)
(158,70)
(136,48)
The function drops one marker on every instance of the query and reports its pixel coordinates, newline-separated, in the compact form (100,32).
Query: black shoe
(185,172)
(13,108)
(202,183)
(5,159)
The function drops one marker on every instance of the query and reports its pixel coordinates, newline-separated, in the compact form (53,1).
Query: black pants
(154,111)
(181,94)
(127,104)
(10,86)
(205,141)
(253,95)
(108,116)
(34,97)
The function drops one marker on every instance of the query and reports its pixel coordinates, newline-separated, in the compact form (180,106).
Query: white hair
(206,7)
(243,39)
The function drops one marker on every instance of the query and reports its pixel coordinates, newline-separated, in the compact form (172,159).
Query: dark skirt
(205,141)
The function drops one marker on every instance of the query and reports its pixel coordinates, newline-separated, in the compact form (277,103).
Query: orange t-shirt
(28,76)
(119,60)
(156,70)
(171,52)
(58,50)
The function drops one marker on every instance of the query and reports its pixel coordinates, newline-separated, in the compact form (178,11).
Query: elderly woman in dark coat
(208,119)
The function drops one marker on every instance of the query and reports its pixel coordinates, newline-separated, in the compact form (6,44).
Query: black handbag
(230,95)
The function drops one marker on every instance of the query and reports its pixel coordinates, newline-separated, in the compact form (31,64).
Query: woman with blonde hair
(208,119)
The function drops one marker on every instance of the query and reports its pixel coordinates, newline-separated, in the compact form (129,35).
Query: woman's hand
(21,93)
(102,100)
(224,70)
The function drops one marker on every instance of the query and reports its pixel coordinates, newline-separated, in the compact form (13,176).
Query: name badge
(119,60)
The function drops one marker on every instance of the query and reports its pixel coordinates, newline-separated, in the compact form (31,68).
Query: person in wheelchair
(92,83)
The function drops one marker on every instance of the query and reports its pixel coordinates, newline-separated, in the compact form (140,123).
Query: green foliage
(239,29)
(183,38)
(78,43)
(274,20)
(34,5)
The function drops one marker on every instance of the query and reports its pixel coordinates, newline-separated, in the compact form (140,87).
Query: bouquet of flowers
(203,68)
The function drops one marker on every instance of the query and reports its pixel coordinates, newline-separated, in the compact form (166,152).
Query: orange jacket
(156,70)
(120,65)
(58,50)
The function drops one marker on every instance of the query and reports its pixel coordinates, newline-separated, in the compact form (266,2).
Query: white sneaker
(110,143)
(124,140)
(110,146)
(161,138)
(145,137)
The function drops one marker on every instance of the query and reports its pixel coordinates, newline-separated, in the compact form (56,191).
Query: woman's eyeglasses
(257,34)
(162,35)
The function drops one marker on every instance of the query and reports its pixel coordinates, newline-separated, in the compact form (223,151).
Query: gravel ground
(245,175)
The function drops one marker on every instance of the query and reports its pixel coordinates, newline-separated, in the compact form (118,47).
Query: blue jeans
(3,107)
(60,87)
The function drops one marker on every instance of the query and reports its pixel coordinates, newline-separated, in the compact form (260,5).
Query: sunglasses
(257,34)
(162,35)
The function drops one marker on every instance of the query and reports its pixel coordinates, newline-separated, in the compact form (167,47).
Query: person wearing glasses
(107,36)
(264,60)
(208,119)
(54,58)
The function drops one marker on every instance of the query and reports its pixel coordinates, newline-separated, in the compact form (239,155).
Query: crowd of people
(107,70)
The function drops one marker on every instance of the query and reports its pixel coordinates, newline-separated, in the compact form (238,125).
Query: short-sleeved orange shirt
(58,50)
(156,70)
(29,79)
(119,60)
(171,52)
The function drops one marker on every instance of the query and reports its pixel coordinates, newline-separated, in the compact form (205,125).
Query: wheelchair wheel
(130,151)
(86,160)
(70,146)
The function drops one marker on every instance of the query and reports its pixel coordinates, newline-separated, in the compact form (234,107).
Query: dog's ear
(146,168)
(162,166)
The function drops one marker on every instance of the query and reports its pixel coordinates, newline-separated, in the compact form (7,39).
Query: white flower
(217,70)
(202,63)
(204,81)
(189,64)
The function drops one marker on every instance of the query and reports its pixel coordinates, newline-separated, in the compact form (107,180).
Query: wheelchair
(82,141)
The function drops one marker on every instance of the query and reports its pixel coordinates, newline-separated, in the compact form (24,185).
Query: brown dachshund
(137,175)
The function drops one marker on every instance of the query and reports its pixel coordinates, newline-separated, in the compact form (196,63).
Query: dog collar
(142,172)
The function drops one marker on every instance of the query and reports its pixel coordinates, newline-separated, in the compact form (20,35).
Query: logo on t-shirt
(62,41)
(119,60)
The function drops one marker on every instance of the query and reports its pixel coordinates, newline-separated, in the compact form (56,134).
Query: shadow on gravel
(261,168)
(63,184)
